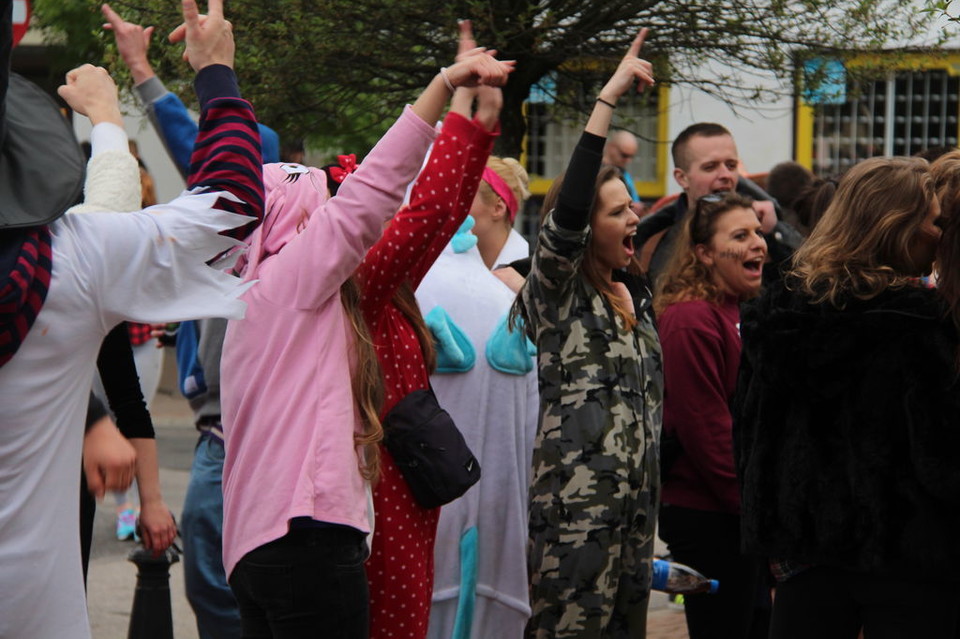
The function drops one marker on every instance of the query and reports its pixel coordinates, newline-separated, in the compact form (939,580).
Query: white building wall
(763,131)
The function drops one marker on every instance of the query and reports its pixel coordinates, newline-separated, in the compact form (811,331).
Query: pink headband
(500,188)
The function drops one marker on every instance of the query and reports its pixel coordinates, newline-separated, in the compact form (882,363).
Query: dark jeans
(308,583)
(709,542)
(830,603)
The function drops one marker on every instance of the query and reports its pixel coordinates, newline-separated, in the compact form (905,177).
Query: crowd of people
(768,383)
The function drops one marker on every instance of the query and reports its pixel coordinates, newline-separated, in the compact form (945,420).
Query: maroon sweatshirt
(701,355)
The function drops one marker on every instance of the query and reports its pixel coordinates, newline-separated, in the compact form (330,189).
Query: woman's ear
(704,253)
(500,210)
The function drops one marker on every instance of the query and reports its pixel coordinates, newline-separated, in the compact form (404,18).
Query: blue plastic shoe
(126,525)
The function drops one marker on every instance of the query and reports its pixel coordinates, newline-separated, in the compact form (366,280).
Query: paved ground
(112,579)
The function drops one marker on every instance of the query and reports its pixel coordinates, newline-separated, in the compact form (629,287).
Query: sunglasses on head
(709,198)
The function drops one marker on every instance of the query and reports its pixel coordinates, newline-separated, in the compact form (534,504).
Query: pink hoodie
(288,411)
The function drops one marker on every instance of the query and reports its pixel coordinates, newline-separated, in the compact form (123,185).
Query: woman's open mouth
(628,243)
(754,267)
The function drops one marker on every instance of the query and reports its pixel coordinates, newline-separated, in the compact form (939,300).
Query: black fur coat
(847,433)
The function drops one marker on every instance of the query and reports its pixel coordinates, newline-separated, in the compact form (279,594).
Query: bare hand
(157,527)
(767,215)
(109,460)
(478,67)
(632,69)
(133,42)
(209,38)
(509,276)
(489,98)
(90,91)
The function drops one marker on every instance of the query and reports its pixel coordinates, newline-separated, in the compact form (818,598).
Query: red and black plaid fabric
(139,333)
(24,289)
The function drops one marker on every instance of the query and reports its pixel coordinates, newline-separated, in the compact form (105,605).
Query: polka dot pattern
(400,568)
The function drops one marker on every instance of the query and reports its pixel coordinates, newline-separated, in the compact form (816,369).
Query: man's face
(620,151)
(712,166)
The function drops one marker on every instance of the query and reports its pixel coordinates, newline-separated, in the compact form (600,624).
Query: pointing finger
(215,8)
(112,18)
(637,43)
(191,15)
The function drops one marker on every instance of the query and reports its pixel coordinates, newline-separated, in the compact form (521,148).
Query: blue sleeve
(176,128)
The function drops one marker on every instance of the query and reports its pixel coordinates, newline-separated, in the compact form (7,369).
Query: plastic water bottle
(680,579)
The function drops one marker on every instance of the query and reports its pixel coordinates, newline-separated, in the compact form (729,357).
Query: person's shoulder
(690,314)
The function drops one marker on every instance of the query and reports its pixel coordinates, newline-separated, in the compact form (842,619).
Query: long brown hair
(367,383)
(590,267)
(946,177)
(861,246)
(686,278)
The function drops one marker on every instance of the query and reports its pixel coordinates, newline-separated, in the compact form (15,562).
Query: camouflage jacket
(601,386)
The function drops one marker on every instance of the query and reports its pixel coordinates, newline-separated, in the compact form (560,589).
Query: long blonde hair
(861,246)
(686,278)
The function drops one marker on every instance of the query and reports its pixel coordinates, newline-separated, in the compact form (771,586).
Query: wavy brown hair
(590,267)
(686,278)
(861,246)
(946,177)
(367,383)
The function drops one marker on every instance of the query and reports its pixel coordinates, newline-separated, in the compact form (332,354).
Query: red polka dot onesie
(400,568)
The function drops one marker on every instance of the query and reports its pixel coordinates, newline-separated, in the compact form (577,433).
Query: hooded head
(294,193)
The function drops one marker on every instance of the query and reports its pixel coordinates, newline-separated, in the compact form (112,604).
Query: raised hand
(133,42)
(631,69)
(489,98)
(90,91)
(209,37)
(478,67)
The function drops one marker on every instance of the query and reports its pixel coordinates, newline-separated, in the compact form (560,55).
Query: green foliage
(337,72)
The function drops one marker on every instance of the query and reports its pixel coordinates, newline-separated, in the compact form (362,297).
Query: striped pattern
(226,157)
(23,292)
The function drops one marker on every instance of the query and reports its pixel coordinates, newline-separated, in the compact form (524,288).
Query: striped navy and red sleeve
(226,155)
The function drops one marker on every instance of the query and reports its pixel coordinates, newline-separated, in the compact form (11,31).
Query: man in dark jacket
(706,161)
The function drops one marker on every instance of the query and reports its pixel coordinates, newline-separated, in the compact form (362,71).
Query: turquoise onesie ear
(510,351)
(463,240)
(455,353)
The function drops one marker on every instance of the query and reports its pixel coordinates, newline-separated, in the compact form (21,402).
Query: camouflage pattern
(595,486)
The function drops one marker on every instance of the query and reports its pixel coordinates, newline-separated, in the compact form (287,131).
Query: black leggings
(830,603)
(709,542)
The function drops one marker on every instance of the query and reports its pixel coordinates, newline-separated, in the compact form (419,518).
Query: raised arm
(226,155)
(576,194)
(369,196)
(444,190)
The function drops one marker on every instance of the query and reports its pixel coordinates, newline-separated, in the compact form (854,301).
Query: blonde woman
(504,188)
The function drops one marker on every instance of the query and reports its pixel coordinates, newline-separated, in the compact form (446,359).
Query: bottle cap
(661,573)
(714,586)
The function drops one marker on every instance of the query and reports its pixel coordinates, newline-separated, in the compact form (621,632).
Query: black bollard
(152,616)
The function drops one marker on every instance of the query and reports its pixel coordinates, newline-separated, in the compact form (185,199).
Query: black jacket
(847,433)
(781,243)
